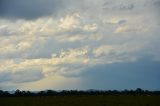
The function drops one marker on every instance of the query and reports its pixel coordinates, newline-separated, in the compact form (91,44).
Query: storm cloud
(30,9)
(61,43)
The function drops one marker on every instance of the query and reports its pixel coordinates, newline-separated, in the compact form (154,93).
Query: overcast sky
(79,44)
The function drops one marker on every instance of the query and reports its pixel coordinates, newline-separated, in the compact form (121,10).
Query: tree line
(138,91)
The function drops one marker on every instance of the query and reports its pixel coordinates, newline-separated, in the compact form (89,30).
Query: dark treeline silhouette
(138,91)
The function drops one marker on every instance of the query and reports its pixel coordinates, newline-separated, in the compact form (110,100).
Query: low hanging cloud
(27,75)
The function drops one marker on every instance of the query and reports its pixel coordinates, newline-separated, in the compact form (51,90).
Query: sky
(79,44)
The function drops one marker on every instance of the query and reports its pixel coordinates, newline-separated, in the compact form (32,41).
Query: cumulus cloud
(84,34)
(107,54)
(34,69)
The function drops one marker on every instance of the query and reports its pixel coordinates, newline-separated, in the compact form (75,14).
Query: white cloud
(21,68)
(123,29)
(92,27)
(24,45)
(115,53)
(69,21)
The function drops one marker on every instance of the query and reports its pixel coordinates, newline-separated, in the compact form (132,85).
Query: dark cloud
(21,77)
(27,76)
(157,3)
(29,9)
(122,21)
(4,76)
(126,7)
(120,6)
(143,73)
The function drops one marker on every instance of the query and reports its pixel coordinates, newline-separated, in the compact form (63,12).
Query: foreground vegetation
(81,98)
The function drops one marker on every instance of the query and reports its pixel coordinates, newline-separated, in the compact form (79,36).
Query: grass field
(86,100)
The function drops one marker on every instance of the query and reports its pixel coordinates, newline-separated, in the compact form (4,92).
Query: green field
(86,100)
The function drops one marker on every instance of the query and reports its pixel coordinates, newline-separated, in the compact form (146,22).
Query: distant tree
(18,93)
(1,92)
(4,93)
(41,93)
(51,92)
(139,91)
